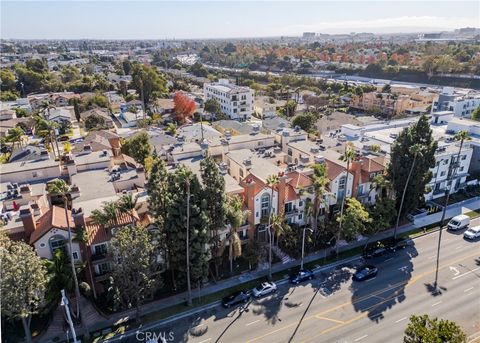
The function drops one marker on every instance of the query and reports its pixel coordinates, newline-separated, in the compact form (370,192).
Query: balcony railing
(291,213)
(99,256)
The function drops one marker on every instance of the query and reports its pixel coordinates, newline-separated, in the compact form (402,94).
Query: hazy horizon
(227,19)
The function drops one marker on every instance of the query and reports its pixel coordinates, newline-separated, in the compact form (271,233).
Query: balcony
(99,257)
(291,213)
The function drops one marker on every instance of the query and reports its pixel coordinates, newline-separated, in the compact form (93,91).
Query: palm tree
(320,182)
(235,216)
(416,151)
(278,226)
(15,135)
(272,181)
(60,188)
(127,203)
(380,184)
(347,157)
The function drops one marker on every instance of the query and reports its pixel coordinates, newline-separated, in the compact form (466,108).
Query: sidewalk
(180,298)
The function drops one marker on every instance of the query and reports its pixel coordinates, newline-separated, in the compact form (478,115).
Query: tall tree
(401,161)
(157,189)
(137,146)
(184,107)
(135,269)
(15,136)
(416,150)
(23,282)
(347,157)
(58,187)
(214,196)
(235,215)
(423,329)
(212,106)
(355,219)
(320,182)
(148,82)
(176,226)
(128,203)
(272,182)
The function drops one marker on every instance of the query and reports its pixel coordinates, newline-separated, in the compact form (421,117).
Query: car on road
(458,222)
(376,250)
(472,233)
(396,244)
(236,298)
(365,272)
(301,275)
(264,288)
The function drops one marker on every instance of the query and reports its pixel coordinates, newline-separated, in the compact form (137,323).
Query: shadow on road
(375,296)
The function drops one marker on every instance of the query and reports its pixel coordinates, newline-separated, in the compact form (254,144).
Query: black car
(301,276)
(365,272)
(236,298)
(376,250)
(397,244)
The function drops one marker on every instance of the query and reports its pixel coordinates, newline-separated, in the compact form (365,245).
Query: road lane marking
(204,341)
(402,269)
(466,273)
(360,338)
(438,303)
(373,278)
(459,247)
(468,289)
(330,319)
(255,321)
(455,271)
(469,293)
(401,320)
(388,259)
(432,257)
(399,284)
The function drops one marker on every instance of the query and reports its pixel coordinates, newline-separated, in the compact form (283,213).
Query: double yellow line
(320,315)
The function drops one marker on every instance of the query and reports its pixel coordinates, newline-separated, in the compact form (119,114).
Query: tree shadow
(377,295)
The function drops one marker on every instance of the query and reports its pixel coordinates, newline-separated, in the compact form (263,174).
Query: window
(265,204)
(75,255)
(57,242)
(290,152)
(288,207)
(445,162)
(34,174)
(241,173)
(461,169)
(464,157)
(300,203)
(103,268)
(42,245)
(442,173)
(100,249)
(300,216)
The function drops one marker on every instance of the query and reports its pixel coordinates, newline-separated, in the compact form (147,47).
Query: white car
(472,233)
(263,289)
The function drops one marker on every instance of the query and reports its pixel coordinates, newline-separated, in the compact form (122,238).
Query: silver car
(263,289)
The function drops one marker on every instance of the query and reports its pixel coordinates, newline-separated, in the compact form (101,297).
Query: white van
(459,222)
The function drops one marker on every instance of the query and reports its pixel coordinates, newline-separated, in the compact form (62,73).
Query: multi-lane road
(332,308)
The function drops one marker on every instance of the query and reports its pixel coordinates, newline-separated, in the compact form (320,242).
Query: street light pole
(303,246)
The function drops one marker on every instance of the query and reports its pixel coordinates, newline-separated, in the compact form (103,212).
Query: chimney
(29,223)
(78,218)
(356,168)
(250,200)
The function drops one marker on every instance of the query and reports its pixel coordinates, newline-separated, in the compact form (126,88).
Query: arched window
(57,242)
(265,204)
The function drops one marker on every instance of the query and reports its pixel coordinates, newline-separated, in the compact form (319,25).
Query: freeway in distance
(333,308)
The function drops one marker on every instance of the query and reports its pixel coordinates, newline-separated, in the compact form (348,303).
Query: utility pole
(142,97)
(65,304)
(303,246)
(189,287)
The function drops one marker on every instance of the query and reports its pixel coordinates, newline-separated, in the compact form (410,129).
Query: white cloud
(386,25)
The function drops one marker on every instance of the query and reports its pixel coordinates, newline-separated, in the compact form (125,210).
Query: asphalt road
(332,308)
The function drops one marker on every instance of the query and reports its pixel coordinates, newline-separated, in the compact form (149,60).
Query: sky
(120,19)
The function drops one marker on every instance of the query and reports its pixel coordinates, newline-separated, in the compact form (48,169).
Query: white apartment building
(446,158)
(236,102)
(460,103)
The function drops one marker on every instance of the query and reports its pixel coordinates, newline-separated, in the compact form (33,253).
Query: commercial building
(235,102)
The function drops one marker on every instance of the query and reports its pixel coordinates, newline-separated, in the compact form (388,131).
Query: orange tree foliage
(184,106)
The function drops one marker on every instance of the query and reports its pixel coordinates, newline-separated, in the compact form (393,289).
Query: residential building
(100,113)
(236,102)
(461,102)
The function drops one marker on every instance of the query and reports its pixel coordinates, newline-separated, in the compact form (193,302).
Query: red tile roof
(298,180)
(98,234)
(53,218)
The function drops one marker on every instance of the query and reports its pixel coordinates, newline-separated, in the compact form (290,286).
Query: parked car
(63,138)
(365,272)
(236,298)
(300,276)
(376,250)
(396,244)
(458,222)
(264,288)
(472,233)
